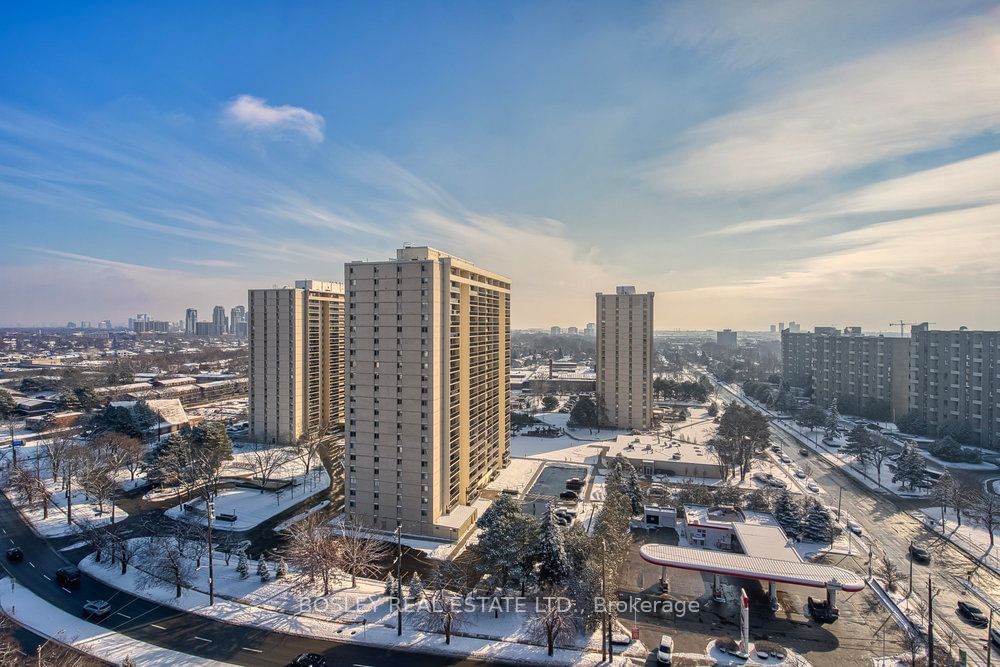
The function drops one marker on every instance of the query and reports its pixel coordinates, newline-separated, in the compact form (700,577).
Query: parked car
(995,637)
(919,554)
(776,449)
(15,554)
(813,486)
(972,613)
(854,527)
(97,607)
(309,660)
(574,484)
(569,495)
(785,459)
(803,452)
(777,483)
(800,474)
(68,576)
(665,653)
(822,611)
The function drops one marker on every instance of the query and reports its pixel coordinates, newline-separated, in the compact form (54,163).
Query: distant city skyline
(748,164)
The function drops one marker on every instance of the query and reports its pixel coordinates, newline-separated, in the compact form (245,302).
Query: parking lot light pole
(399,580)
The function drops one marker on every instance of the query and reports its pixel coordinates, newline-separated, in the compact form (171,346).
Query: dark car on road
(972,614)
(822,611)
(15,554)
(68,576)
(803,452)
(569,495)
(308,660)
(919,554)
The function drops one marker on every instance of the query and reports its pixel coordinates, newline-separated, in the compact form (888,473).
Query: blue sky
(830,163)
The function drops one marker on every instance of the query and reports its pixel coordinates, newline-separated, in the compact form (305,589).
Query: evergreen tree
(832,419)
(263,571)
(129,661)
(282,568)
(555,567)
(415,589)
(390,586)
(788,513)
(859,445)
(584,413)
(818,523)
(506,541)
(243,565)
(910,468)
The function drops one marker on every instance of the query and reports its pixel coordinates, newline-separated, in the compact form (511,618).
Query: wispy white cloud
(212,263)
(749,226)
(920,95)
(255,114)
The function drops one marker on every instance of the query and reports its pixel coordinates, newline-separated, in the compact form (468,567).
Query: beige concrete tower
(296,339)
(428,390)
(625,358)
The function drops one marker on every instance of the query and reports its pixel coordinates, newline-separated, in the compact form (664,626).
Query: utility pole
(399,580)
(911,571)
(604,653)
(69,493)
(211,564)
(930,623)
(989,639)
(840,497)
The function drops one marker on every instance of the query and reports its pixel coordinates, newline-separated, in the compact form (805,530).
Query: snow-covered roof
(751,567)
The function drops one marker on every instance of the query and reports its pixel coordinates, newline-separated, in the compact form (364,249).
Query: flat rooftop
(659,448)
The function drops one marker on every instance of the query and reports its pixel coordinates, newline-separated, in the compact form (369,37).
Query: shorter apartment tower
(727,339)
(955,382)
(625,358)
(428,390)
(796,358)
(296,340)
(868,375)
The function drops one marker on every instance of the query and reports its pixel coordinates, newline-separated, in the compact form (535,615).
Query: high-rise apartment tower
(625,358)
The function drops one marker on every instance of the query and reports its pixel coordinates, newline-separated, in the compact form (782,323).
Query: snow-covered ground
(292,606)
(40,617)
(253,507)
(529,445)
(288,523)
(516,476)
(971,536)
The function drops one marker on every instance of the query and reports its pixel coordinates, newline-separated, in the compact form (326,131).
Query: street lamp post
(399,580)
(211,563)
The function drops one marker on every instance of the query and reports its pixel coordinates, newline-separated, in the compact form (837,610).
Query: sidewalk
(376,633)
(48,621)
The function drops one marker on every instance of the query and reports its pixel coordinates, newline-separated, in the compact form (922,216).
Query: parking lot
(550,483)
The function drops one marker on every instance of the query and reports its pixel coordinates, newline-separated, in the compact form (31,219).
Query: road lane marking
(11,540)
(47,577)
(254,650)
(123,615)
(158,627)
(66,589)
(358,664)
(31,564)
(202,639)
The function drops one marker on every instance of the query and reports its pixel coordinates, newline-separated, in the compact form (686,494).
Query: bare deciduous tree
(163,563)
(554,620)
(360,552)
(889,572)
(267,461)
(313,550)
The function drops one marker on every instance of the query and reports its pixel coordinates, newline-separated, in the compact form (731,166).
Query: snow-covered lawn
(251,506)
(84,511)
(288,523)
(291,605)
(970,536)
(49,621)
(578,453)
(530,445)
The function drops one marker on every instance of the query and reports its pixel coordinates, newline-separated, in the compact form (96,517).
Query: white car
(813,486)
(785,459)
(665,653)
(97,608)
(854,527)
(800,474)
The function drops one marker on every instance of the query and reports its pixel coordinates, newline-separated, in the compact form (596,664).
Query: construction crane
(902,324)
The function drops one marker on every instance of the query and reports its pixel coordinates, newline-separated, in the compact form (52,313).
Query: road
(891,530)
(176,630)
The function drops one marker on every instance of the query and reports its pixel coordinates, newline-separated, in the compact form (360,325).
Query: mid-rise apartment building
(727,338)
(625,358)
(796,358)
(868,375)
(955,381)
(296,340)
(428,390)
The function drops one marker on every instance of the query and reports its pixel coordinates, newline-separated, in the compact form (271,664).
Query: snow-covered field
(253,507)
(516,476)
(529,445)
(291,605)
